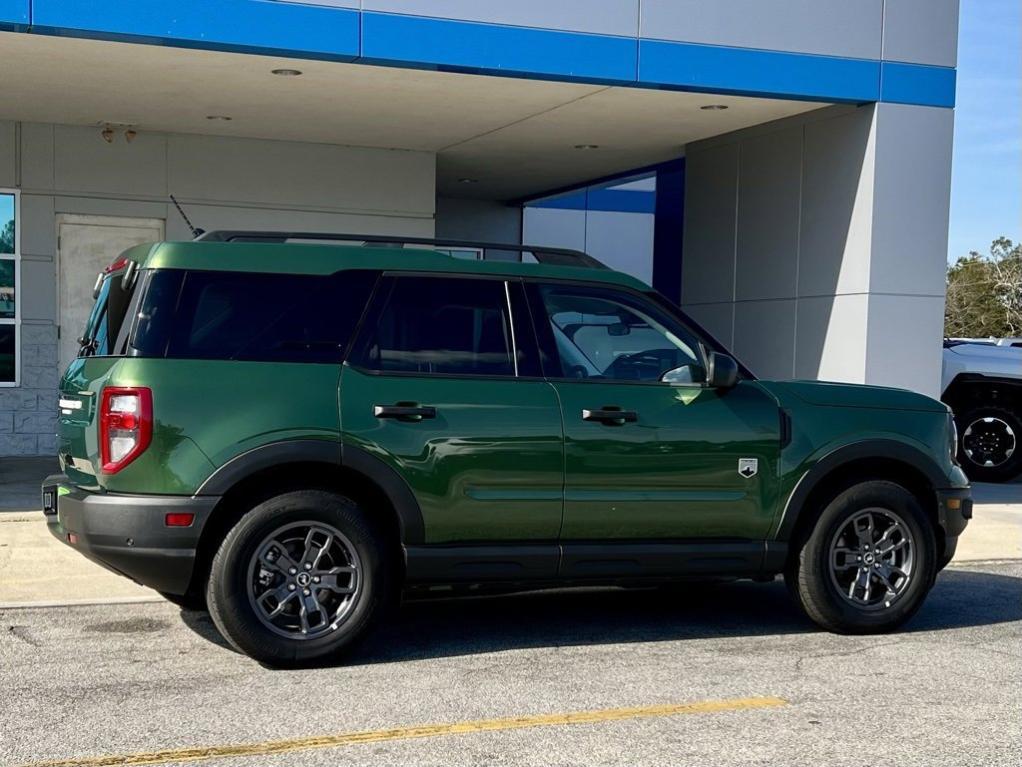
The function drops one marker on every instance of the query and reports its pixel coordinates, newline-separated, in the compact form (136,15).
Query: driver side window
(607,334)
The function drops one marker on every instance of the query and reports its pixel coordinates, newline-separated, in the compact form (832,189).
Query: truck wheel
(300,579)
(868,562)
(989,438)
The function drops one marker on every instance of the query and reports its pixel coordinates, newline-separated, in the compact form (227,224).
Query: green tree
(984,293)
(7,238)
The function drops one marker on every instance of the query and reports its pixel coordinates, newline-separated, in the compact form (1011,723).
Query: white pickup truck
(982,383)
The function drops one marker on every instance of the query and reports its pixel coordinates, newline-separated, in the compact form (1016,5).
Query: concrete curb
(81,603)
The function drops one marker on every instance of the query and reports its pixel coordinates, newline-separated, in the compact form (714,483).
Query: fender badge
(748,467)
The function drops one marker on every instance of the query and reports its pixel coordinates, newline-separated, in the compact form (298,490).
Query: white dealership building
(779,167)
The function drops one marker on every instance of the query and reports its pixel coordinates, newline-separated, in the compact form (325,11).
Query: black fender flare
(834,460)
(330,452)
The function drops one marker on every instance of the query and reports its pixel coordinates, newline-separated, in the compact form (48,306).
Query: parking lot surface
(127,681)
(95,670)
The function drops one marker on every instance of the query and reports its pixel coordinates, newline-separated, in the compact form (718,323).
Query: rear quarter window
(242,316)
(107,317)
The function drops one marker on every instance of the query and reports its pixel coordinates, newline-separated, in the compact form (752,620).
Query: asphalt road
(79,682)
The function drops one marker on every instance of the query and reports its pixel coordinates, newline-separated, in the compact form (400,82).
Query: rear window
(103,329)
(240,316)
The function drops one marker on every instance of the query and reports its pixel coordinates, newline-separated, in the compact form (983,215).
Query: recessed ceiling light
(221,118)
(713,107)
(286,72)
(468,181)
(587,146)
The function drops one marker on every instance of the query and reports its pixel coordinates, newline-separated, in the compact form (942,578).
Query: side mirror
(723,372)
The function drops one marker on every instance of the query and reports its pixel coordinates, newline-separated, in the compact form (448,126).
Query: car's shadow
(431,628)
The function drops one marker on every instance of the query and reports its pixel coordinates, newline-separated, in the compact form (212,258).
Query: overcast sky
(986,185)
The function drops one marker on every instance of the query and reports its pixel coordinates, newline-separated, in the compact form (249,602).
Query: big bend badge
(748,467)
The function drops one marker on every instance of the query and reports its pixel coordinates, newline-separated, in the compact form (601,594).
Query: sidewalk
(20,479)
(36,568)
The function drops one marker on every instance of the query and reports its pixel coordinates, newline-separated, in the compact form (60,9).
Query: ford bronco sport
(293,433)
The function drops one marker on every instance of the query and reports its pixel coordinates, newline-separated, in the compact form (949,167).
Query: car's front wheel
(868,562)
(300,578)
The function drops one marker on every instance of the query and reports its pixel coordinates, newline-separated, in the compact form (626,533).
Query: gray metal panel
(830,338)
(607,17)
(8,153)
(82,162)
(38,234)
(769,185)
(718,319)
(39,299)
(921,31)
(836,205)
(828,27)
(707,269)
(911,200)
(484,220)
(900,349)
(300,175)
(37,156)
(764,337)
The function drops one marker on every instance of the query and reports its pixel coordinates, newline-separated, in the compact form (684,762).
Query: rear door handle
(610,416)
(404,412)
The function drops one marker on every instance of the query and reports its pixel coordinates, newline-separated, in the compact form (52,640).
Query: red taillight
(125,425)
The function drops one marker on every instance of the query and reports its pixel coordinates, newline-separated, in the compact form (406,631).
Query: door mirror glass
(723,373)
(683,375)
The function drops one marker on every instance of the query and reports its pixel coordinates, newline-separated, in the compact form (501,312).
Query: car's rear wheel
(990,443)
(300,578)
(868,562)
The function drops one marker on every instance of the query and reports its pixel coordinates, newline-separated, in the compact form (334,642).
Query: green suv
(293,434)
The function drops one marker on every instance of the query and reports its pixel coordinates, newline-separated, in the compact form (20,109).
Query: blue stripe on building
(916,84)
(610,200)
(15,14)
(331,33)
(237,25)
(753,72)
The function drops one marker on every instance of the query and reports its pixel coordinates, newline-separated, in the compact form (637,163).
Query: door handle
(610,416)
(403,412)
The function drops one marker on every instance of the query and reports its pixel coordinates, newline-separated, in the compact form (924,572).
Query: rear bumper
(127,533)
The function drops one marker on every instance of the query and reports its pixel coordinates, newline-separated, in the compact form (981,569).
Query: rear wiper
(86,347)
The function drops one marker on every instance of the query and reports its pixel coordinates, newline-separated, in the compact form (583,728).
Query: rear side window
(260,317)
(441,326)
(107,317)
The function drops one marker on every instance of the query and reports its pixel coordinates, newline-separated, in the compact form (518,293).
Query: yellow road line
(273,747)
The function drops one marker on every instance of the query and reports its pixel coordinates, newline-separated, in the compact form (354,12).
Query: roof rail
(542,254)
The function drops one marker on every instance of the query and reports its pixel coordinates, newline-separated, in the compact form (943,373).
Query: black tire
(231,604)
(189,601)
(986,433)
(814,584)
